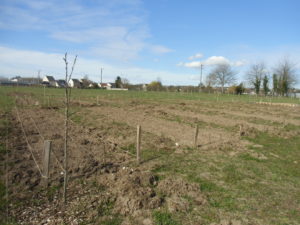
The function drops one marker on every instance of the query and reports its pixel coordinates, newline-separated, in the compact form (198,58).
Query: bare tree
(210,80)
(256,74)
(286,72)
(67,104)
(125,82)
(222,75)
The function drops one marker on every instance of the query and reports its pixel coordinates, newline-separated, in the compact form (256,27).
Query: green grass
(91,95)
(164,218)
(243,185)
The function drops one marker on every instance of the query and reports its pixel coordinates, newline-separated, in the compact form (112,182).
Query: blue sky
(146,40)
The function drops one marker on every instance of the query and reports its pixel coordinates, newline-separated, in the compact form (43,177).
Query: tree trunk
(66,144)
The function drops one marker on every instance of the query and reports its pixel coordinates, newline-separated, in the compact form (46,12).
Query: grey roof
(50,78)
(75,80)
(61,82)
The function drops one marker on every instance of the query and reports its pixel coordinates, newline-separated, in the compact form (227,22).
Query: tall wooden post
(47,150)
(138,143)
(196,136)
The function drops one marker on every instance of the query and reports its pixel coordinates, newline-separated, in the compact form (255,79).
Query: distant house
(103,85)
(107,85)
(49,80)
(6,82)
(60,83)
(74,83)
(85,83)
(25,80)
(93,85)
(15,79)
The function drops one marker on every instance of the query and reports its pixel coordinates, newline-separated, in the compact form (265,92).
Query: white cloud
(192,64)
(159,49)
(26,63)
(196,56)
(239,63)
(213,60)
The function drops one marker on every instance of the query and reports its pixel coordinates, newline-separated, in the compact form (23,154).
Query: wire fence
(30,147)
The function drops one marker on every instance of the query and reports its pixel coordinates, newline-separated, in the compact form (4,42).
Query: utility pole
(101,75)
(201,68)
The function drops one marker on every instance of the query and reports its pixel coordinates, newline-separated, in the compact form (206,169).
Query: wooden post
(97,100)
(48,98)
(47,150)
(138,143)
(44,95)
(196,136)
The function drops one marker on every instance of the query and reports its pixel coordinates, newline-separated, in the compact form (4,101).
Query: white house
(74,83)
(49,80)
(106,85)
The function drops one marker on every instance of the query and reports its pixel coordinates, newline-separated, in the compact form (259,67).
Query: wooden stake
(138,143)
(97,100)
(196,136)
(47,150)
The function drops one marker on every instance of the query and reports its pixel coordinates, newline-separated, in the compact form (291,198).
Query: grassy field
(246,166)
(155,96)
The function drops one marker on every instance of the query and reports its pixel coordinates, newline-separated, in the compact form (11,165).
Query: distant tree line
(258,77)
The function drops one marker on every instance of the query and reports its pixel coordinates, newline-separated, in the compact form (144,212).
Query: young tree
(255,75)
(266,85)
(286,72)
(125,83)
(222,75)
(67,103)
